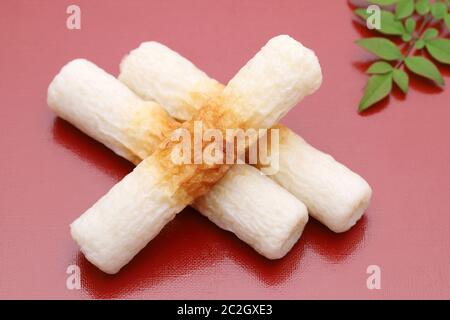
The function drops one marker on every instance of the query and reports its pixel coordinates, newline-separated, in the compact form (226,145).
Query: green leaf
(410,25)
(362,13)
(401,79)
(379,67)
(447,21)
(381,47)
(438,10)
(383,2)
(406,37)
(425,68)
(423,7)
(430,33)
(388,24)
(404,9)
(378,87)
(419,44)
(439,49)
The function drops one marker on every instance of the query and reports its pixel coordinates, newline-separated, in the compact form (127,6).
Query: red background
(50,172)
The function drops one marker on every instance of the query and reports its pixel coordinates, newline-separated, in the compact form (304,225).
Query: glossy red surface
(50,172)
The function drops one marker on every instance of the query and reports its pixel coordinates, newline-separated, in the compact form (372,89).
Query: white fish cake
(167,67)
(158,73)
(258,211)
(183,183)
(334,194)
(113,230)
(296,75)
(105,109)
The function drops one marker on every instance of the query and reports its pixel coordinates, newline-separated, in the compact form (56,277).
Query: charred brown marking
(199,98)
(149,127)
(189,181)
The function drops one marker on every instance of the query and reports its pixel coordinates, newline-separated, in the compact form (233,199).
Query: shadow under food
(335,247)
(89,150)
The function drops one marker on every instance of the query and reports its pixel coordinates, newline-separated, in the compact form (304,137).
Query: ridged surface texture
(123,221)
(167,67)
(258,211)
(105,109)
(334,194)
(291,72)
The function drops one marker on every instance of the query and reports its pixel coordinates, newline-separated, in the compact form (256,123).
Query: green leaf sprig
(417,23)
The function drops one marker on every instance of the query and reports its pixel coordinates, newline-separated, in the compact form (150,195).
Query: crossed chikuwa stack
(333,194)
(105,109)
(120,224)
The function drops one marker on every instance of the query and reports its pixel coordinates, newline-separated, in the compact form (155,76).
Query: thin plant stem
(412,42)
